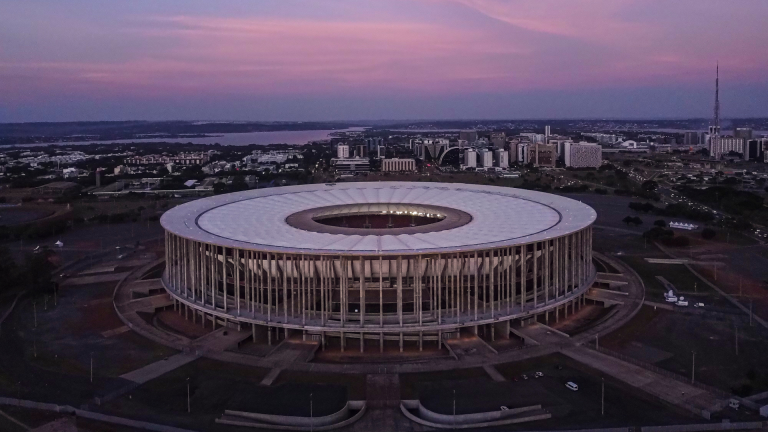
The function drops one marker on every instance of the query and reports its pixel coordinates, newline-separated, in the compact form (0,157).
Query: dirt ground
(712,336)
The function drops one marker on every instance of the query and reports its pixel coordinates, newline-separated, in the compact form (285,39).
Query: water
(233,139)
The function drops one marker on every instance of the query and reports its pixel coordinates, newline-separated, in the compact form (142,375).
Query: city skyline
(398,59)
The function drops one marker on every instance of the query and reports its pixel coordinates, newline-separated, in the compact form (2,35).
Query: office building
(743,133)
(512,151)
(361,151)
(485,157)
(470,158)
(691,138)
(373,143)
(398,165)
(468,135)
(342,151)
(501,158)
(381,151)
(541,155)
(351,165)
(498,139)
(582,155)
(720,145)
(753,150)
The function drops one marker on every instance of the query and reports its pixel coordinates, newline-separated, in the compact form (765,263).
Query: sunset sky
(380,59)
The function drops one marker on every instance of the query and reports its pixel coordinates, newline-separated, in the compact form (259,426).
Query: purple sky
(379,59)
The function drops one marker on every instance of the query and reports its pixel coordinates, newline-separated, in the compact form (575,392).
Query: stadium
(367,264)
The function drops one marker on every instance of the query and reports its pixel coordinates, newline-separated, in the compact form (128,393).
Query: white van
(682,302)
(570,385)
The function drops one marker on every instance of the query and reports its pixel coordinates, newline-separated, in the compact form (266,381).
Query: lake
(232,139)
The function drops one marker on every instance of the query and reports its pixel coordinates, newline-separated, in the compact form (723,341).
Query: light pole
(602,397)
(189,406)
(454,409)
(311,414)
(693,367)
(91,366)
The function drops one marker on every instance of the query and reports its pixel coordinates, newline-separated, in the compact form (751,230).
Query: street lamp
(189,407)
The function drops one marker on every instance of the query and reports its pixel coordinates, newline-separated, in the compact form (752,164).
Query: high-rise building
(342,151)
(381,151)
(486,158)
(534,137)
(397,165)
(753,150)
(743,133)
(547,134)
(522,153)
(582,155)
(542,155)
(470,158)
(373,143)
(512,148)
(720,145)
(361,151)
(501,157)
(468,135)
(691,138)
(498,139)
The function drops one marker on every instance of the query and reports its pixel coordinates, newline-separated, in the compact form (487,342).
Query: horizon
(399,60)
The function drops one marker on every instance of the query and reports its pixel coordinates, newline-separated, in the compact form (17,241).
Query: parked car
(524,376)
(682,302)
(538,375)
(570,385)
(699,305)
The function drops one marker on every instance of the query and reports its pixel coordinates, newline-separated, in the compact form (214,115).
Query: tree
(637,221)
(37,271)
(661,223)
(677,241)
(649,185)
(708,233)
(658,233)
(628,220)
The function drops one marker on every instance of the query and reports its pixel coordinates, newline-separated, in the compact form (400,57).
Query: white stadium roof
(256,219)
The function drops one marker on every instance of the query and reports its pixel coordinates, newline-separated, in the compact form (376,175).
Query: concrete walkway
(493,373)
(158,368)
(87,280)
(271,377)
(694,399)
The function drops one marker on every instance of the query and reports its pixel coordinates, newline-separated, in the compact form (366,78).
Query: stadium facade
(405,263)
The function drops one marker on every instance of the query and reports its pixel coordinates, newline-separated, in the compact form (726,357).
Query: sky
(315,60)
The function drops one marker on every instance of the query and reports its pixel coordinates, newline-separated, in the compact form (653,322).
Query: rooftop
(257,219)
